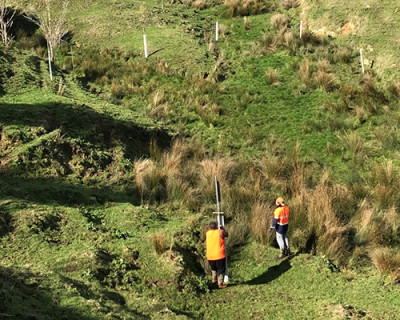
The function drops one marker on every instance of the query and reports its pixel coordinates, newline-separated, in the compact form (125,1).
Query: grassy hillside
(106,177)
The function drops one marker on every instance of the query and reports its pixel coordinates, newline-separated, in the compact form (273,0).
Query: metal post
(301,28)
(145,46)
(51,73)
(221,222)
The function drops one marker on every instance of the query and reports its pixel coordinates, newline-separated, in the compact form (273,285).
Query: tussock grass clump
(159,242)
(149,180)
(387,261)
(238,233)
(279,21)
(394,88)
(375,226)
(271,75)
(356,144)
(344,54)
(289,4)
(332,235)
(386,184)
(235,8)
(268,43)
(246,23)
(305,72)
(325,80)
(260,221)
(158,106)
(225,169)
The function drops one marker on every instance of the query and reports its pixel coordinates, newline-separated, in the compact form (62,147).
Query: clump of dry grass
(279,21)
(158,106)
(246,7)
(332,234)
(354,142)
(387,261)
(344,54)
(223,30)
(238,233)
(246,23)
(159,242)
(394,88)
(386,184)
(149,179)
(305,72)
(272,77)
(268,42)
(325,80)
(289,4)
(260,221)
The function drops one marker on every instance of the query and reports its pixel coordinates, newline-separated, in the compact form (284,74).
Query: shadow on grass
(87,125)
(60,191)
(24,295)
(272,273)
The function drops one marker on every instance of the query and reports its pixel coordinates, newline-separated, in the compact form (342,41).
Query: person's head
(212,225)
(280,202)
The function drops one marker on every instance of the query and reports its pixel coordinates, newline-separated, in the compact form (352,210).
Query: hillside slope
(107,172)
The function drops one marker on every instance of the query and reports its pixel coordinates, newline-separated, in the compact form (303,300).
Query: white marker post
(51,72)
(145,46)
(362,61)
(216,31)
(221,223)
(301,28)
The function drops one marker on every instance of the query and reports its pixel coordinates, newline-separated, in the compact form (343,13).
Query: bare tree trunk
(6,22)
(53,22)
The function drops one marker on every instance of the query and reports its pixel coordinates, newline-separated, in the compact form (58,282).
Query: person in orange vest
(281,225)
(215,252)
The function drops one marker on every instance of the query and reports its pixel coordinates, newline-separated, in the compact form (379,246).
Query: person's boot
(288,251)
(214,276)
(281,255)
(221,284)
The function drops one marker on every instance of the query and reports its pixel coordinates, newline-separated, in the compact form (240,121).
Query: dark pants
(218,266)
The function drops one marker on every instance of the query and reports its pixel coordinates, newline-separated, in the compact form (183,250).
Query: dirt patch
(347,28)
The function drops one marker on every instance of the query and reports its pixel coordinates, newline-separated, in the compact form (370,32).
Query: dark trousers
(218,266)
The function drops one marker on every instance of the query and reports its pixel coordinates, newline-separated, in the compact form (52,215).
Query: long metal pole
(221,222)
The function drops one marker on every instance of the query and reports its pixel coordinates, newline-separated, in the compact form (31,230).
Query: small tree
(51,17)
(6,22)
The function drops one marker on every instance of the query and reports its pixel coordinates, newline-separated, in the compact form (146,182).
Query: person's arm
(276,218)
(223,233)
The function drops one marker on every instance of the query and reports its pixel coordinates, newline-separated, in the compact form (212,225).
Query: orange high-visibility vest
(215,245)
(282,214)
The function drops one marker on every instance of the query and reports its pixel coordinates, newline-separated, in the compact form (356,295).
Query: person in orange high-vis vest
(281,225)
(215,252)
